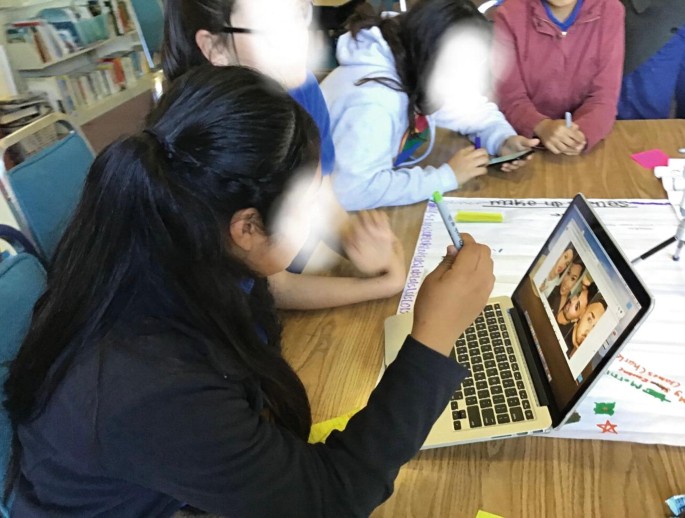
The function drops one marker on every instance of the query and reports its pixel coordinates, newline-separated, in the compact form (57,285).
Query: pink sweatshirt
(551,72)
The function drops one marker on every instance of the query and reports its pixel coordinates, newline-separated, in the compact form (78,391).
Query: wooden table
(338,352)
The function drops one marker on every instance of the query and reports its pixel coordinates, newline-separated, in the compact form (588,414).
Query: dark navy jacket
(152,416)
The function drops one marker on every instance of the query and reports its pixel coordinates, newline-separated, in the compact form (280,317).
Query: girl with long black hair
(152,373)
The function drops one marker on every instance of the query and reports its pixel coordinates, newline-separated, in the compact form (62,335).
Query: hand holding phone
(519,155)
(514,152)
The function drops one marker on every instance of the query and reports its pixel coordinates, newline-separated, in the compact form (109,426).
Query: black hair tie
(161,142)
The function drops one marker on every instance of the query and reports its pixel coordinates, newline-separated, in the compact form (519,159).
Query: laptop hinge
(524,335)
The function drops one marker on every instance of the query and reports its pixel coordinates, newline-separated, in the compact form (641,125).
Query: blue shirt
(309,96)
(564,26)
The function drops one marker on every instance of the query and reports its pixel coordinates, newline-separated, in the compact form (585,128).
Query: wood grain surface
(337,353)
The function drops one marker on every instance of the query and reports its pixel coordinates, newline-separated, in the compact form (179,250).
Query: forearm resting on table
(292,291)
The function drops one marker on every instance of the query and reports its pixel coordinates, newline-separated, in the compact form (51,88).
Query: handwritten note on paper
(644,388)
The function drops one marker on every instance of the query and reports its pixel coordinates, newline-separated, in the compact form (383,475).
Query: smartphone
(510,158)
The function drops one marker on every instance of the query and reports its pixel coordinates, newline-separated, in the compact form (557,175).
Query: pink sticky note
(651,158)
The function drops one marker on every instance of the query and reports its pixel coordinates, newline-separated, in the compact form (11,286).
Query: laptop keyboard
(495,392)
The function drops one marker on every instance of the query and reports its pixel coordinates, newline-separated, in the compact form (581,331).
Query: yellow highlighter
(479,217)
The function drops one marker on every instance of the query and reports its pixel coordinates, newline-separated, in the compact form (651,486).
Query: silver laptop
(534,357)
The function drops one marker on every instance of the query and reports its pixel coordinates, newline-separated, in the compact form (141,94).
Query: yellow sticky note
(485,514)
(479,217)
(320,431)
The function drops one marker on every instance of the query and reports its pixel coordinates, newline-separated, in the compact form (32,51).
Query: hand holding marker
(448,220)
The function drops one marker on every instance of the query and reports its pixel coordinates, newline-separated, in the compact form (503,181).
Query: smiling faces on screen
(576,305)
(588,321)
(562,263)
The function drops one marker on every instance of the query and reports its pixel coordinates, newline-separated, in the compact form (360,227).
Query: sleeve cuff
(448,180)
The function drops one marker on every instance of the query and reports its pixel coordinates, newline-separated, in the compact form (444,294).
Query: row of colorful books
(57,32)
(82,88)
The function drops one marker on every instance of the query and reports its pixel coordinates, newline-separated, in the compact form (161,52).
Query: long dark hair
(414,38)
(151,225)
(182,20)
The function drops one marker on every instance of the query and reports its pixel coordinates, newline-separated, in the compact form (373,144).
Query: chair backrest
(43,191)
(22,282)
(149,17)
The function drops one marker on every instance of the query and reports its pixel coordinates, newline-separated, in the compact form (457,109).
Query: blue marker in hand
(476,142)
(448,220)
(569,119)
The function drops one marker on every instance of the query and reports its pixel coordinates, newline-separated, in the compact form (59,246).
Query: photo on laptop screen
(577,304)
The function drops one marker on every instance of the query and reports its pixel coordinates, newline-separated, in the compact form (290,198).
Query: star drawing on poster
(608,427)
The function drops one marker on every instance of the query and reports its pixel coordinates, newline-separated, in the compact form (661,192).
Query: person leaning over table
(401,77)
(152,373)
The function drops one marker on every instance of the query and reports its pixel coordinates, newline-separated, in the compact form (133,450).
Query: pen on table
(569,119)
(476,142)
(448,220)
(653,251)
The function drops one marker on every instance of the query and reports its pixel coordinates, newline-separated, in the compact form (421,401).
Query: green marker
(448,220)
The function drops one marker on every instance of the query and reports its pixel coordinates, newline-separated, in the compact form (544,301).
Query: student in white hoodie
(383,102)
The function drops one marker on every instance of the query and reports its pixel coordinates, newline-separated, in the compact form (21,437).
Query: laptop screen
(580,299)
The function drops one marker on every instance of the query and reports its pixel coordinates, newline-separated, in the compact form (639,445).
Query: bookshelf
(30,65)
(25,66)
(86,114)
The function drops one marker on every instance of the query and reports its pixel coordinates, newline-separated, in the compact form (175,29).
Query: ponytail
(150,226)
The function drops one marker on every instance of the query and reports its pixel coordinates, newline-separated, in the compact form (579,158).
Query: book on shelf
(18,115)
(107,71)
(7,85)
(55,88)
(84,87)
(118,12)
(17,112)
(20,106)
(87,91)
(126,67)
(66,22)
(39,34)
(55,33)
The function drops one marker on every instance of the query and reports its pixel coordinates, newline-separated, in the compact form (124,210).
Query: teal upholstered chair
(22,281)
(43,190)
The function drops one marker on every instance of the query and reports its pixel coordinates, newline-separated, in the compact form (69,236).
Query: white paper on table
(642,396)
